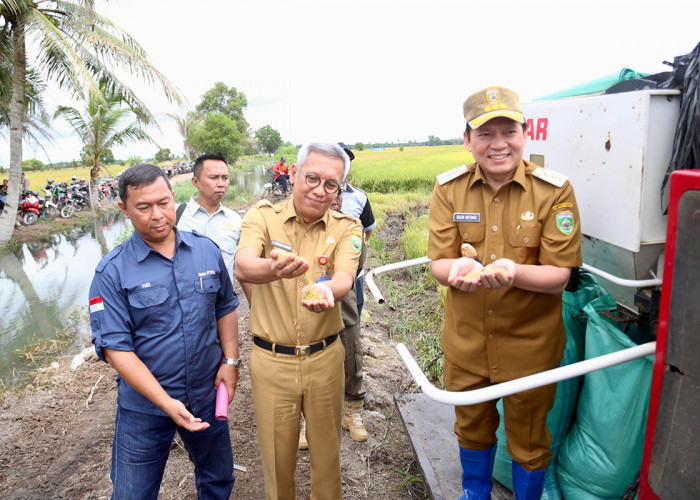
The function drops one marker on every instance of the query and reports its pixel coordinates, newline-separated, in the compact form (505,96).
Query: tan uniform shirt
(276,311)
(509,333)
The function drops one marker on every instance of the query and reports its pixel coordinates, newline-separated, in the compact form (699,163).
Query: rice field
(412,169)
(37,178)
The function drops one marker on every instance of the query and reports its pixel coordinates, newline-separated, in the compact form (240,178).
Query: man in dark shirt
(162,311)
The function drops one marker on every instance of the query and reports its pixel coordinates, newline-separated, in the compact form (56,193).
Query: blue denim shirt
(165,311)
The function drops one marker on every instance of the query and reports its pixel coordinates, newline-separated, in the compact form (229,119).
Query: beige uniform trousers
(527,437)
(284,385)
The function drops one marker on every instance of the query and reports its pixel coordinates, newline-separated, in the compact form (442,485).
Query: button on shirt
(223,227)
(276,311)
(508,333)
(165,311)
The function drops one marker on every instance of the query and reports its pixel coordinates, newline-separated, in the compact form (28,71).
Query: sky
(378,70)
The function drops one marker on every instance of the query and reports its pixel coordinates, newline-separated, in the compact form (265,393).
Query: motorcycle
(29,208)
(50,210)
(81,195)
(274,188)
(64,200)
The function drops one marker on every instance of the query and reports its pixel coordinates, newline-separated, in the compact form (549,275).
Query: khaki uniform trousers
(527,437)
(283,386)
(350,335)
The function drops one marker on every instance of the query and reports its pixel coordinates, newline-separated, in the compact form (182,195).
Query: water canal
(44,287)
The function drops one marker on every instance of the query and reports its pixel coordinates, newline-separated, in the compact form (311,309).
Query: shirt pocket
(525,244)
(207,288)
(472,232)
(149,308)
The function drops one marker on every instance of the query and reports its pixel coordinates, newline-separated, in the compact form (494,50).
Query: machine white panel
(615,149)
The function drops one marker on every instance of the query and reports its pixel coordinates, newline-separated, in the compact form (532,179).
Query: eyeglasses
(313,180)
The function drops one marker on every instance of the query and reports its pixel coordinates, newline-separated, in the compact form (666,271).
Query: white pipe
(522,384)
(369,277)
(621,281)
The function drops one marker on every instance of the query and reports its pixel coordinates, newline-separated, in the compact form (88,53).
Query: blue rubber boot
(527,485)
(477,467)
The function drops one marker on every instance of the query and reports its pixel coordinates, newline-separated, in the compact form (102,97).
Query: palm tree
(104,124)
(184,125)
(75,47)
(36,120)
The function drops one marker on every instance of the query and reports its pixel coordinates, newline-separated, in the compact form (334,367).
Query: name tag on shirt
(281,246)
(466,217)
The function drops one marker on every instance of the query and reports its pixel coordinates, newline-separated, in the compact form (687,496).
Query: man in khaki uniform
(504,235)
(297,360)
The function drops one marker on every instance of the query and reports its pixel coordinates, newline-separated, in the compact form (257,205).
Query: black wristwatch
(236,363)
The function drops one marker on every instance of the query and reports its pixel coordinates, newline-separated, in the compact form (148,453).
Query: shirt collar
(347,187)
(288,211)
(518,175)
(193,206)
(142,250)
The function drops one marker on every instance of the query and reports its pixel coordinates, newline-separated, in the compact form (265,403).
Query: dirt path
(56,435)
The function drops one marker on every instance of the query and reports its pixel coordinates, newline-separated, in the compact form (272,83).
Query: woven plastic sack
(603,450)
(561,415)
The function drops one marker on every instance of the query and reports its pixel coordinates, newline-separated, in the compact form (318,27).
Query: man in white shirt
(205,214)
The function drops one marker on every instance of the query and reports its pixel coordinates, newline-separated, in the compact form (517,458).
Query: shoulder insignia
(263,203)
(340,215)
(550,176)
(451,175)
(109,257)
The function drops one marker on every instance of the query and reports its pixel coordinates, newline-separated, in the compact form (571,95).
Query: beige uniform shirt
(276,311)
(509,333)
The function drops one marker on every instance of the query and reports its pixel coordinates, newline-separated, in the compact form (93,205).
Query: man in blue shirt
(163,314)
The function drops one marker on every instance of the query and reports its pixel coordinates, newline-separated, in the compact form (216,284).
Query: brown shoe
(303,444)
(352,420)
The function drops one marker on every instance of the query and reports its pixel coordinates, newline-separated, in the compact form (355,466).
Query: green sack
(603,450)
(563,410)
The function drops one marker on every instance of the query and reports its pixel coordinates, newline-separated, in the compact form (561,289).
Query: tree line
(70,44)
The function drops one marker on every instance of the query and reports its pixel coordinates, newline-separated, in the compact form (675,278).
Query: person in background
(355,203)
(503,237)
(3,194)
(24,183)
(163,314)
(301,259)
(205,213)
(281,173)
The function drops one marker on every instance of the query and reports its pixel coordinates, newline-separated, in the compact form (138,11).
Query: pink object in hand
(221,402)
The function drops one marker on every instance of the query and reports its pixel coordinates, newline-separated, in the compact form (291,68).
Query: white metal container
(615,149)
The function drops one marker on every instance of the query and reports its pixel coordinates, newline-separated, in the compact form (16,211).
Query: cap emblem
(493,96)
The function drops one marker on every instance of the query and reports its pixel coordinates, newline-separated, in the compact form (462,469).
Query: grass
(415,294)
(408,170)
(235,198)
(40,352)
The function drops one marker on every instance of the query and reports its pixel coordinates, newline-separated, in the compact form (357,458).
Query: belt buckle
(301,350)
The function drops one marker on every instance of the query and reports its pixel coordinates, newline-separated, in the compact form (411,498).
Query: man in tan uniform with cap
(504,235)
(287,251)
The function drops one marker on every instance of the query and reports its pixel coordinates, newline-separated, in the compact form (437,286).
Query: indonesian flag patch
(96,305)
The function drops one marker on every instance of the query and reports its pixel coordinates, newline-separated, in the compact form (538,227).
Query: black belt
(294,350)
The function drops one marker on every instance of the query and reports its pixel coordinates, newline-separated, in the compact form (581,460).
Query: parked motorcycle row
(178,168)
(62,199)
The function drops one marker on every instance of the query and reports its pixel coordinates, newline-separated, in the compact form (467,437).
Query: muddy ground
(56,434)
